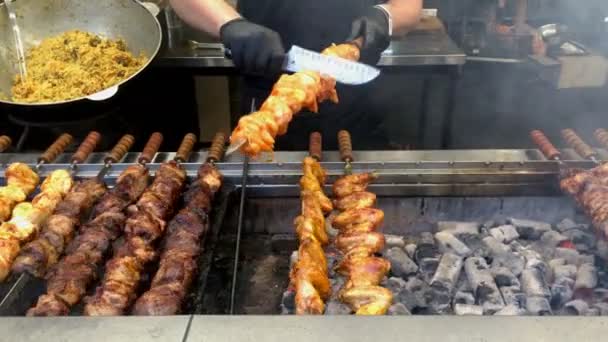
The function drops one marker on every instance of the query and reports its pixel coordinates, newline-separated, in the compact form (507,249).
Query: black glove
(373,27)
(254,49)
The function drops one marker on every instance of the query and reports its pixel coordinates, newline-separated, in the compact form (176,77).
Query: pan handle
(104,94)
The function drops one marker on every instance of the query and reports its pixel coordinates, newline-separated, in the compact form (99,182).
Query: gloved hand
(255,49)
(373,27)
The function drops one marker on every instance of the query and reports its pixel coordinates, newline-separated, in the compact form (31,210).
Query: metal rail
(239,230)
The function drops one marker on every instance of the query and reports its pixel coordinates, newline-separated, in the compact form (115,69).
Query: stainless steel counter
(417,49)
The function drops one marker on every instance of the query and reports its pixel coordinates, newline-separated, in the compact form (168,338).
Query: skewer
(5,143)
(183,152)
(116,154)
(85,149)
(579,145)
(151,148)
(54,151)
(546,147)
(601,135)
(346,151)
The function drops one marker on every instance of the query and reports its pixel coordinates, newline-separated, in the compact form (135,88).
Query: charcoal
(395,284)
(567,271)
(602,249)
(570,255)
(602,277)
(496,248)
(504,234)
(410,249)
(462,297)
(335,307)
(553,263)
(439,300)
(533,283)
(510,310)
(426,251)
(401,264)
(483,284)
(448,243)
(593,312)
(468,310)
(415,284)
(580,237)
(600,295)
(427,238)
(576,308)
(336,285)
(489,224)
(458,228)
(567,224)
(513,296)
(540,265)
(398,309)
(561,292)
(586,259)
(475,244)
(538,306)
(463,283)
(552,239)
(517,247)
(586,277)
(413,301)
(288,302)
(428,267)
(528,229)
(394,241)
(602,307)
(447,273)
(293,259)
(504,277)
(514,262)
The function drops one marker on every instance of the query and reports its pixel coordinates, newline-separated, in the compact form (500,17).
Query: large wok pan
(131,20)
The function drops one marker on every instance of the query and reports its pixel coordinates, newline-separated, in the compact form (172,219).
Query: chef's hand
(373,27)
(254,49)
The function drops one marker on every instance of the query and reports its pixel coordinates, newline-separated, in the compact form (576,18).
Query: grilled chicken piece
(362,244)
(164,300)
(351,184)
(368,300)
(309,279)
(363,270)
(22,176)
(312,181)
(49,305)
(290,94)
(357,200)
(358,220)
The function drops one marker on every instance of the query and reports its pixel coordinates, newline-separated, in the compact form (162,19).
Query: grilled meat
(69,279)
(182,245)
(144,227)
(358,241)
(290,94)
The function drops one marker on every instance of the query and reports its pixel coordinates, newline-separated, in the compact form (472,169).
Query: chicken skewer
(69,279)
(358,240)
(28,217)
(144,228)
(22,180)
(186,234)
(589,188)
(256,132)
(37,256)
(309,276)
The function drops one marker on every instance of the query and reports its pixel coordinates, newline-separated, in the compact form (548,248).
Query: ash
(511,267)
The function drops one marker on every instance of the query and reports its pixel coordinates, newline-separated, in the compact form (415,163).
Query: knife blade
(300,59)
(342,70)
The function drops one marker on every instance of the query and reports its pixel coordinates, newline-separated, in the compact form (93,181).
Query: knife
(300,59)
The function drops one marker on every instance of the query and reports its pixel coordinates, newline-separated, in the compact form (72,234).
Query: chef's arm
(205,15)
(405,14)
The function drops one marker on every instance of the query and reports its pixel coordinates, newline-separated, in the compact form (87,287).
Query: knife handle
(358,42)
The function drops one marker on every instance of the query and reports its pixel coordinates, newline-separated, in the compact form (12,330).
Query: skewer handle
(601,135)
(5,143)
(122,147)
(87,147)
(152,146)
(56,148)
(216,151)
(346,146)
(315,147)
(545,146)
(578,144)
(183,153)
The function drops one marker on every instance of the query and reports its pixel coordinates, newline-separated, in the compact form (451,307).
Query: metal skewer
(54,151)
(83,152)
(116,154)
(579,145)
(346,151)
(12,17)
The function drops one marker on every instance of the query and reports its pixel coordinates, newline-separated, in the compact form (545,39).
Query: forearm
(205,15)
(405,13)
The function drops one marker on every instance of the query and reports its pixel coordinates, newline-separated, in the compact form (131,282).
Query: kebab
(358,239)
(21,180)
(37,256)
(589,188)
(256,132)
(309,277)
(27,217)
(144,227)
(68,280)
(186,234)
